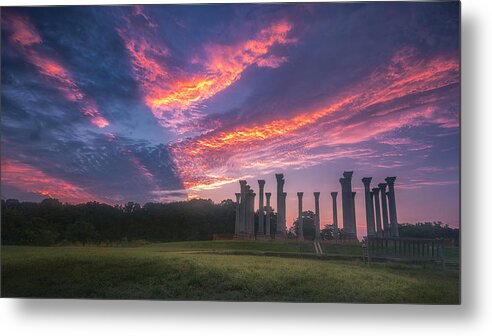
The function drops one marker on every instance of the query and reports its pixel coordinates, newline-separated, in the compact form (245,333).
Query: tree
(81,231)
(307,224)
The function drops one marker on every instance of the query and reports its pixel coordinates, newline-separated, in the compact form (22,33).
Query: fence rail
(406,248)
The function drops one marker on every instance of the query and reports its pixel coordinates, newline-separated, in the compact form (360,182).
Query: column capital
(299,194)
(348,174)
(279,176)
(261,183)
(238,196)
(390,180)
(316,194)
(242,182)
(334,194)
(367,182)
(268,194)
(375,191)
(382,186)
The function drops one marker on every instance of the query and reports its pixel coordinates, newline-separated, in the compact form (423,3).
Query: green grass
(207,271)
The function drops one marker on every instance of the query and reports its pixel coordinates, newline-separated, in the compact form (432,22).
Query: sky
(161,103)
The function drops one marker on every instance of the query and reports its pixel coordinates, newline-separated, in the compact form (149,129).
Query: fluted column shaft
(369,207)
(252,225)
(268,214)
(354,228)
(247,205)
(242,207)
(284,212)
(280,195)
(377,208)
(261,212)
(300,227)
(392,206)
(316,216)
(384,210)
(236,224)
(335,215)
(348,206)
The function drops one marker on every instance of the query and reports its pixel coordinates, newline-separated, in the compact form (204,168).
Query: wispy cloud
(31,179)
(24,35)
(398,95)
(174,94)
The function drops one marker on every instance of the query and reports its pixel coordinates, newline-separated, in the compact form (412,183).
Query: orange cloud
(25,36)
(30,179)
(212,158)
(173,94)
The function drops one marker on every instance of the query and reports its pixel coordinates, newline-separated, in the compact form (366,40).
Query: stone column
(348,207)
(268,214)
(384,210)
(379,230)
(316,216)
(392,206)
(236,226)
(247,205)
(300,227)
(284,214)
(261,212)
(280,194)
(242,207)
(335,215)
(354,228)
(252,226)
(369,207)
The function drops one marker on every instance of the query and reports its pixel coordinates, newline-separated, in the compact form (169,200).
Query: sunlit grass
(178,271)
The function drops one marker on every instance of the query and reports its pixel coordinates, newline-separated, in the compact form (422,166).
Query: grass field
(219,270)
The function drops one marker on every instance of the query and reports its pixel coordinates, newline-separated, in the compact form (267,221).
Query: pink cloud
(31,179)
(173,94)
(221,155)
(26,38)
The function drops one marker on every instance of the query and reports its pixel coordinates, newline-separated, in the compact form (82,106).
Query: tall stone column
(236,226)
(316,216)
(300,227)
(268,215)
(369,207)
(252,225)
(347,206)
(384,210)
(335,215)
(379,229)
(247,205)
(280,194)
(261,212)
(354,228)
(392,206)
(242,207)
(284,214)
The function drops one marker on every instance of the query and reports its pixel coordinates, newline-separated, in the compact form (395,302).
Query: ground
(221,270)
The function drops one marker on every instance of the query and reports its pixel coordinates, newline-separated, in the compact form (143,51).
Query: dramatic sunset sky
(163,103)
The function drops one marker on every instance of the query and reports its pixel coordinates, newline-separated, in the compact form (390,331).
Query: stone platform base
(280,236)
(263,237)
(243,236)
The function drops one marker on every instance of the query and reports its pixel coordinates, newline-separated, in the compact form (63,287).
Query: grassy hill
(219,270)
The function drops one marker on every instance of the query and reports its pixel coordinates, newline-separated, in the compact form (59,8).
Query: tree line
(51,222)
